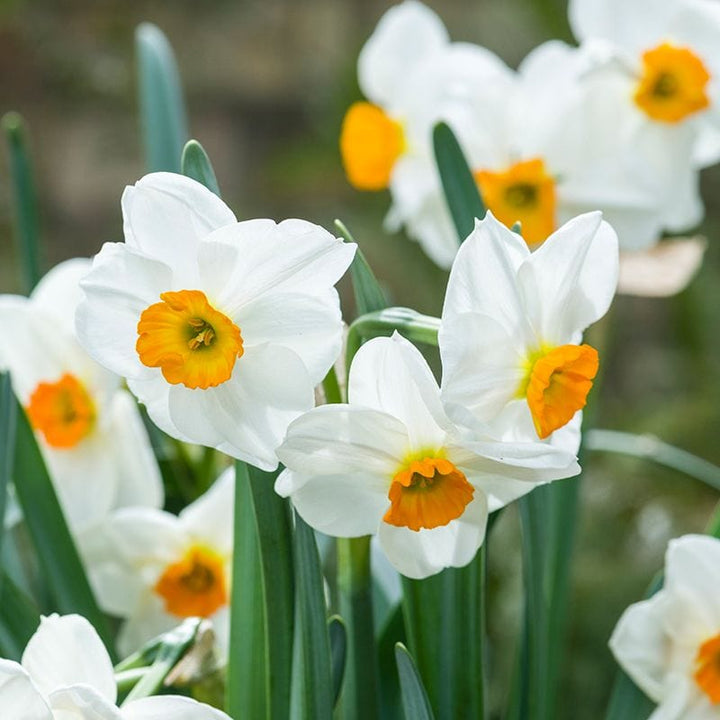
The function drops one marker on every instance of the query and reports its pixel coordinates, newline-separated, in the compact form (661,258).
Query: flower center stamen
(189,340)
(707,672)
(523,193)
(557,384)
(427,493)
(673,83)
(62,411)
(195,586)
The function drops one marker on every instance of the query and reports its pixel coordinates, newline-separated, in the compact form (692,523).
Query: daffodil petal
(170,707)
(19,698)
(80,702)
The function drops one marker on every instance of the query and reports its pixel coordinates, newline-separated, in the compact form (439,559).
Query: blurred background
(266,85)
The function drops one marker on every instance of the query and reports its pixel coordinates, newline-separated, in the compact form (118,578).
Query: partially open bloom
(221,328)
(391,463)
(512,322)
(88,428)
(66,674)
(155,569)
(670,644)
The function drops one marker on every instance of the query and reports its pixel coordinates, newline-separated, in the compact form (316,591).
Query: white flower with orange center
(391,463)
(670,644)
(512,323)
(66,674)
(154,569)
(221,328)
(88,429)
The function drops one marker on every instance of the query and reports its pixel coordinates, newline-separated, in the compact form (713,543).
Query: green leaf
(369,296)
(313,667)
(162,111)
(392,633)
(19,619)
(461,190)
(416,705)
(27,233)
(271,525)
(444,622)
(46,524)
(196,165)
(8,419)
(338,653)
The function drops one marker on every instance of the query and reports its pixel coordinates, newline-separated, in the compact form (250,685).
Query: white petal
(154,393)
(419,554)
(210,517)
(170,707)
(166,215)
(404,37)
(570,280)
(390,375)
(247,416)
(67,651)
(337,439)
(148,620)
(343,505)
(81,702)
(310,326)
(120,286)
(19,698)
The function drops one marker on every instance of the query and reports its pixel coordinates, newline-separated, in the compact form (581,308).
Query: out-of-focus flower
(154,568)
(66,673)
(512,324)
(88,428)
(391,463)
(221,328)
(670,644)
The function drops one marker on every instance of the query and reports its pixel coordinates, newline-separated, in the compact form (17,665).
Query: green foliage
(414,698)
(196,164)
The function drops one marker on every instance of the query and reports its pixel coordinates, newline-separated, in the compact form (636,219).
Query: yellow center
(707,672)
(427,493)
(557,385)
(370,143)
(189,340)
(523,193)
(673,84)
(62,411)
(195,586)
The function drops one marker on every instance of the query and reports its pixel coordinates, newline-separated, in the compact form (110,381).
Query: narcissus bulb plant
(391,463)
(670,644)
(88,428)
(221,328)
(66,674)
(155,569)
(512,322)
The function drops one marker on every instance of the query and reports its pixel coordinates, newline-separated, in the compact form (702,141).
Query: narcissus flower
(670,644)
(221,328)
(88,428)
(155,569)
(66,673)
(391,463)
(510,337)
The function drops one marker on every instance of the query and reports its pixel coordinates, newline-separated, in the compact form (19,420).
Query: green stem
(331,386)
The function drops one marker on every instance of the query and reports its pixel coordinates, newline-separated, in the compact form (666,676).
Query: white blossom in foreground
(66,674)
(221,328)
(512,322)
(670,644)
(155,569)
(88,429)
(391,463)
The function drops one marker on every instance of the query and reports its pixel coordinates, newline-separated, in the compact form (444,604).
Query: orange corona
(707,673)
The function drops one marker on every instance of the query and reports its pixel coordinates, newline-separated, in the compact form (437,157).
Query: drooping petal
(19,698)
(80,702)
(419,554)
(68,651)
(170,707)
(146,621)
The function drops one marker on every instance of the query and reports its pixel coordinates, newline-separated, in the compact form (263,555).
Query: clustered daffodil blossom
(222,328)
(670,644)
(155,569)
(66,674)
(88,428)
(391,463)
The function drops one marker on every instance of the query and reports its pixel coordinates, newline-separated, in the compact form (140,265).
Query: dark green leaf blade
(8,420)
(196,165)
(414,698)
(338,652)
(19,619)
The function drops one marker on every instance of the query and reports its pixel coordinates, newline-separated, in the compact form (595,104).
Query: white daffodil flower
(89,429)
(66,673)
(670,644)
(221,328)
(413,77)
(512,324)
(154,569)
(391,463)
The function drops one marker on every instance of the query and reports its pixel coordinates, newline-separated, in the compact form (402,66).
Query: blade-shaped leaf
(19,619)
(338,652)
(8,419)
(414,698)
(196,165)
